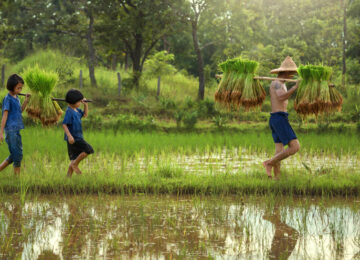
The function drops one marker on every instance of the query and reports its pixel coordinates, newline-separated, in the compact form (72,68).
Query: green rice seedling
(41,107)
(314,95)
(238,86)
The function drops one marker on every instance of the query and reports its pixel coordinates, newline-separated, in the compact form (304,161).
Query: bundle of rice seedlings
(238,86)
(253,93)
(336,99)
(40,106)
(314,96)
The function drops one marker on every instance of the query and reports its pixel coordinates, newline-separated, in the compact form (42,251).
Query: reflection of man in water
(285,237)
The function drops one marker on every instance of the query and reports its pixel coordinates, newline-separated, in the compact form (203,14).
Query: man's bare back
(278,105)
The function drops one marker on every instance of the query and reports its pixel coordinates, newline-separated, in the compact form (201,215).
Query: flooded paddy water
(239,160)
(168,227)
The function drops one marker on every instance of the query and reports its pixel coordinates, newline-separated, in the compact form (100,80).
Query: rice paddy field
(190,195)
(185,163)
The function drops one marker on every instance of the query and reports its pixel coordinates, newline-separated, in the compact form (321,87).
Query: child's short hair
(73,96)
(13,80)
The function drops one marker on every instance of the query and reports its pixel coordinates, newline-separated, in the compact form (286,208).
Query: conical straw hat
(287,65)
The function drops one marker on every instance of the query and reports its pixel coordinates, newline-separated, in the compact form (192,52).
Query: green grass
(149,163)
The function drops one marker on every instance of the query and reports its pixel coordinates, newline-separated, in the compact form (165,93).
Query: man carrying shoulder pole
(282,132)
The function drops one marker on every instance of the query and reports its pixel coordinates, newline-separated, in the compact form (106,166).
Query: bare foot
(76,169)
(268,169)
(70,171)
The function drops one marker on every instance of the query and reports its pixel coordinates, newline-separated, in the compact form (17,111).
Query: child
(12,122)
(78,148)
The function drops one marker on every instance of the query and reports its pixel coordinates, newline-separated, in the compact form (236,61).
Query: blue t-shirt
(14,121)
(73,121)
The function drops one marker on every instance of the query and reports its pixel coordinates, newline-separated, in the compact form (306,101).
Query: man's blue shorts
(280,127)
(13,139)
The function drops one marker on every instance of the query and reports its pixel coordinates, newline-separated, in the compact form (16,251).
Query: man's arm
(3,123)
(281,94)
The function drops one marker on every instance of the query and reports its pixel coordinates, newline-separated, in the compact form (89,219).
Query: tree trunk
(136,59)
(119,83)
(158,88)
(3,75)
(344,46)
(80,79)
(113,61)
(200,61)
(126,61)
(91,58)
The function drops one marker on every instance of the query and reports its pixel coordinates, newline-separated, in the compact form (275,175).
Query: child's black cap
(73,96)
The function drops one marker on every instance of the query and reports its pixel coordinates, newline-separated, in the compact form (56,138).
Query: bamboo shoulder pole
(56,99)
(280,79)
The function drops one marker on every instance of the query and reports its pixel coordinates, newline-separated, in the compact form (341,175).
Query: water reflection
(285,237)
(165,227)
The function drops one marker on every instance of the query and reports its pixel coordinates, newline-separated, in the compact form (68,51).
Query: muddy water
(159,227)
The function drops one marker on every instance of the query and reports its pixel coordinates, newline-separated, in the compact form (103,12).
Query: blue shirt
(14,121)
(73,121)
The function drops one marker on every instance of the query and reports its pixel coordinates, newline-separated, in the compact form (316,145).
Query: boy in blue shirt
(12,122)
(78,148)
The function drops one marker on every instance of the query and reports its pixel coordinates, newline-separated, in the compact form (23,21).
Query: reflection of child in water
(285,237)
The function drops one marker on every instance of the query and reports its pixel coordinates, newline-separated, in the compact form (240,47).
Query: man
(282,132)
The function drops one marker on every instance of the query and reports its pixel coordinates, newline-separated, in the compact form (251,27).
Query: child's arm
(25,102)
(86,108)
(3,123)
(67,132)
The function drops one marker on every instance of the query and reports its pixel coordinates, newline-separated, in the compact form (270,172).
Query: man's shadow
(285,237)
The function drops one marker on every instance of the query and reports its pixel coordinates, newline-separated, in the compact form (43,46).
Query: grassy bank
(185,163)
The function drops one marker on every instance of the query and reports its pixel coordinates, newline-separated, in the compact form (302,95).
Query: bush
(131,122)
(220,121)
(353,68)
(167,103)
(189,103)
(190,119)
(178,118)
(206,108)
(93,122)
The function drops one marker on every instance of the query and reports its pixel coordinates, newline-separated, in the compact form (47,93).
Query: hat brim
(276,71)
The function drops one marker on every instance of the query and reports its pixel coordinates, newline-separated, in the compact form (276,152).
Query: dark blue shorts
(281,129)
(75,149)
(13,139)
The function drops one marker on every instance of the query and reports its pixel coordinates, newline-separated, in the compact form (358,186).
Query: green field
(185,163)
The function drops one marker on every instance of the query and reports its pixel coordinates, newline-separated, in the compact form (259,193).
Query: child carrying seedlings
(282,132)
(12,122)
(78,148)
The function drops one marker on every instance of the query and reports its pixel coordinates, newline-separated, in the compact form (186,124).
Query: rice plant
(41,107)
(238,86)
(314,95)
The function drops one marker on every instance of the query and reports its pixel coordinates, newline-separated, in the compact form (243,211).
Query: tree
(158,65)
(343,4)
(197,7)
(140,25)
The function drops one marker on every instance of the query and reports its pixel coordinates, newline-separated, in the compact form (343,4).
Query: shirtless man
(282,132)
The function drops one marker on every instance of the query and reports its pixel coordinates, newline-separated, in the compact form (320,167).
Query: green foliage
(50,60)
(353,70)
(158,64)
(220,121)
(190,119)
(178,118)
(206,108)
(167,103)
